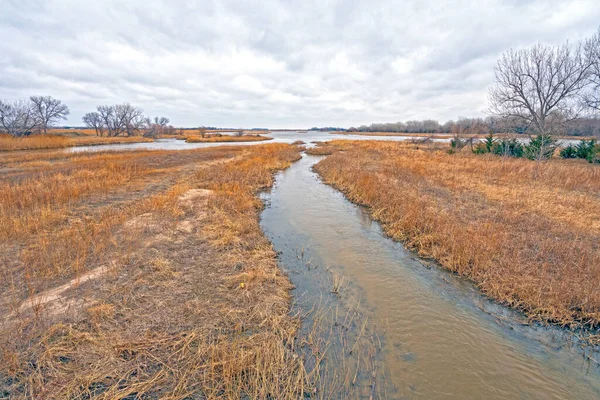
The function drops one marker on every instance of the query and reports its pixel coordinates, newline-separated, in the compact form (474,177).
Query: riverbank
(50,141)
(525,233)
(143,274)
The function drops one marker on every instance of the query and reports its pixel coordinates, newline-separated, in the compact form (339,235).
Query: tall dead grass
(226,138)
(189,301)
(528,236)
(37,142)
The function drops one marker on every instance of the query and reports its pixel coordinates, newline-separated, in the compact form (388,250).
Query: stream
(423,333)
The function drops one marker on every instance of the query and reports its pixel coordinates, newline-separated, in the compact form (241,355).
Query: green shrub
(508,147)
(586,149)
(569,152)
(486,146)
(540,147)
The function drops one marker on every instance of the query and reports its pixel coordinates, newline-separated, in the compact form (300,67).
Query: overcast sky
(271,63)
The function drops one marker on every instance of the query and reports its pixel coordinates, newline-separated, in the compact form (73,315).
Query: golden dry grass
(37,142)
(150,278)
(323,149)
(527,234)
(78,131)
(226,138)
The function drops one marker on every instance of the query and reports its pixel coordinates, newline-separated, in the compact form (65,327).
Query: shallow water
(440,337)
(278,137)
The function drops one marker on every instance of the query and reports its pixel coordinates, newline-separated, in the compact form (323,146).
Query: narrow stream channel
(439,337)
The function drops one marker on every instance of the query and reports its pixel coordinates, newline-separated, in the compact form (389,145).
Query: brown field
(143,275)
(527,234)
(37,142)
(226,138)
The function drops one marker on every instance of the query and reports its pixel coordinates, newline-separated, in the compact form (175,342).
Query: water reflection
(278,137)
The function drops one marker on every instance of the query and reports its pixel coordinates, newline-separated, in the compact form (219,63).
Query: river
(278,137)
(309,137)
(439,337)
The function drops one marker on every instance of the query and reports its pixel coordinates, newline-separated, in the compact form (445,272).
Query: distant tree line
(577,127)
(34,115)
(328,129)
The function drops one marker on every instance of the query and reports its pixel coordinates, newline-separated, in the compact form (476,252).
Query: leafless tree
(540,86)
(156,127)
(48,111)
(17,118)
(239,132)
(592,50)
(125,119)
(107,115)
(129,118)
(94,120)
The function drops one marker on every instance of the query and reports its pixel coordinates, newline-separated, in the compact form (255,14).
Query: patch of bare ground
(527,234)
(173,294)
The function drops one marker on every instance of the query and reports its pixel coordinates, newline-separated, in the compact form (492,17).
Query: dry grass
(526,234)
(323,149)
(151,279)
(75,132)
(226,138)
(9,143)
(36,142)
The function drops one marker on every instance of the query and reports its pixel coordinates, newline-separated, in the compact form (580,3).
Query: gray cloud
(274,62)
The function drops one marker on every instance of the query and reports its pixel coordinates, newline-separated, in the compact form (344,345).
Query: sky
(274,63)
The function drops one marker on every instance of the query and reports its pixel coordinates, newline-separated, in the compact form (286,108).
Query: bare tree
(94,120)
(592,50)
(157,127)
(107,115)
(125,119)
(48,111)
(540,86)
(17,118)
(129,118)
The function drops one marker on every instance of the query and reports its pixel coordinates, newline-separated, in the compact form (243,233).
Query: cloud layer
(274,63)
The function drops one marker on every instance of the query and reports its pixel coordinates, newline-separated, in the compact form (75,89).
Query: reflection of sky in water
(278,137)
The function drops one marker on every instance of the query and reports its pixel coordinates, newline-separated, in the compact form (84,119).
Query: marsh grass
(50,141)
(323,149)
(186,299)
(226,138)
(527,235)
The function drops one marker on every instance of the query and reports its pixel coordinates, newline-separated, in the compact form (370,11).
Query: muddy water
(440,338)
